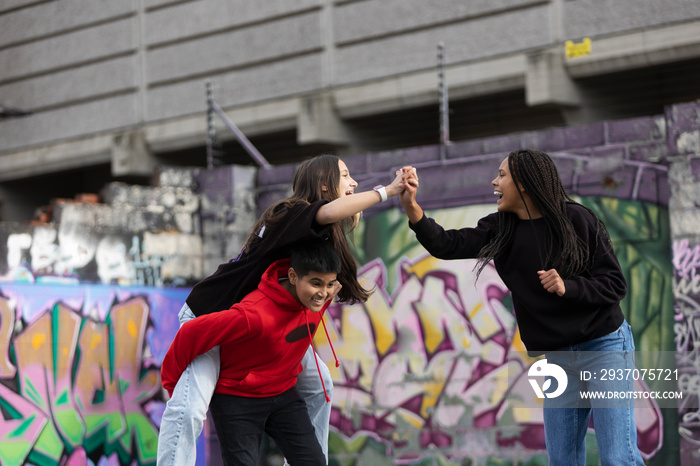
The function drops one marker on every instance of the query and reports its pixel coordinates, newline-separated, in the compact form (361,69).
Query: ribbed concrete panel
(68,122)
(60,88)
(203,17)
(469,40)
(588,18)
(363,20)
(269,81)
(28,23)
(163,3)
(7,5)
(274,40)
(69,49)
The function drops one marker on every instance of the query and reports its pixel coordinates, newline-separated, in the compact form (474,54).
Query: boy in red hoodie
(263,340)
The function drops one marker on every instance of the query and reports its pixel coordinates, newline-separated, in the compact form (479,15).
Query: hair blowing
(536,172)
(307,187)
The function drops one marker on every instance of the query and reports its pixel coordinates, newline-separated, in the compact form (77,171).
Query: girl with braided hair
(556,258)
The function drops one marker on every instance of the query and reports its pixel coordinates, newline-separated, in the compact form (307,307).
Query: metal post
(442,90)
(210,127)
(242,139)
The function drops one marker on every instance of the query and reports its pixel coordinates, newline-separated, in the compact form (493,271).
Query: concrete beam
(638,49)
(547,82)
(131,155)
(318,122)
(65,155)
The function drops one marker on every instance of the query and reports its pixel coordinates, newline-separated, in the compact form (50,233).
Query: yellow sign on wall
(578,49)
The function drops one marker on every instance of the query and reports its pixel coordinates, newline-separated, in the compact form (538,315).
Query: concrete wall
(90,73)
(170,235)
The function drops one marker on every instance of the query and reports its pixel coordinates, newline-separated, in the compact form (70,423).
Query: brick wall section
(626,159)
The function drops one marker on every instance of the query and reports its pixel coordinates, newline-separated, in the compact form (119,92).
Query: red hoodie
(263,340)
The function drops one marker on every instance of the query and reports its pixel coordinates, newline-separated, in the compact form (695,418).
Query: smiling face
(313,289)
(346,185)
(509,199)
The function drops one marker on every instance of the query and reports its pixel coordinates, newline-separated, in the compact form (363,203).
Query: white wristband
(382,192)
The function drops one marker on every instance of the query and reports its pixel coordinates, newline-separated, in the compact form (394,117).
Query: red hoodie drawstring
(318,368)
(337,364)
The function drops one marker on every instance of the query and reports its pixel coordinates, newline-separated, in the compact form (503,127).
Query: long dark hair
(536,172)
(307,186)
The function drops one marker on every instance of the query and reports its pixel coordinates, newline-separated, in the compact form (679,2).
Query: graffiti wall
(686,264)
(80,372)
(425,363)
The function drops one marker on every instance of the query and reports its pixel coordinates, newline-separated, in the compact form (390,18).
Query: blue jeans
(241,421)
(186,411)
(566,417)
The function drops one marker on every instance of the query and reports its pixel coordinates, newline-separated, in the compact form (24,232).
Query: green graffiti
(81,389)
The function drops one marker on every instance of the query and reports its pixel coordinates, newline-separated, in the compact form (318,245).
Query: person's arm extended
(347,206)
(464,243)
(408,198)
(198,336)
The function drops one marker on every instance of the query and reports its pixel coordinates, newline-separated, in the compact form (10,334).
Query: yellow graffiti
(420,345)
(95,340)
(577,49)
(38,340)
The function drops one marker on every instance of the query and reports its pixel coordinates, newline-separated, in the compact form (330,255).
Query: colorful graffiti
(686,264)
(425,362)
(80,372)
(432,366)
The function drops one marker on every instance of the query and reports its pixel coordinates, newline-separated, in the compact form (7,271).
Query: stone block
(650,189)
(359,165)
(177,177)
(278,174)
(694,165)
(458,150)
(585,136)
(653,152)
(165,198)
(618,183)
(553,139)
(501,144)
(568,169)
(684,223)
(683,121)
(388,161)
(637,129)
(607,158)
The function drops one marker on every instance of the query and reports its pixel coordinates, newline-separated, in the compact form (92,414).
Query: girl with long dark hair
(322,207)
(556,258)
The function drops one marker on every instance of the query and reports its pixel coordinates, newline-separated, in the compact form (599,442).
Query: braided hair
(536,172)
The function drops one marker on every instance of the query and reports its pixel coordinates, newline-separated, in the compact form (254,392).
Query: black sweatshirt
(233,280)
(590,307)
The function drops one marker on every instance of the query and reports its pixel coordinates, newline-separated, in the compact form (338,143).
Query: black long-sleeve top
(233,280)
(590,307)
